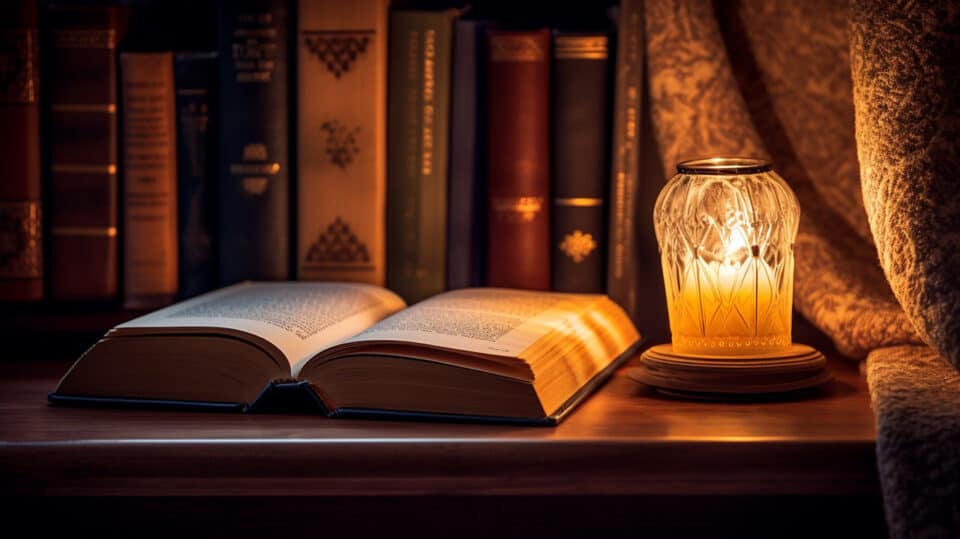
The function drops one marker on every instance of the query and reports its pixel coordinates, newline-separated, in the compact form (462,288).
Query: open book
(356,349)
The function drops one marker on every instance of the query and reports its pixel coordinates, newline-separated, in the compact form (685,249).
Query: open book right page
(489,321)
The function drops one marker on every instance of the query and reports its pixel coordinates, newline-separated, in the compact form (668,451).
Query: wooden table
(626,447)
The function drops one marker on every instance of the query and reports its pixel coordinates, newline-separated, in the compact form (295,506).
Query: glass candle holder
(726,227)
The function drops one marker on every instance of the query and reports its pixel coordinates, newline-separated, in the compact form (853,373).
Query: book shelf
(48,329)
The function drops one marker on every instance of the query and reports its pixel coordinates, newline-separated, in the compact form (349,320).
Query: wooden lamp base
(800,367)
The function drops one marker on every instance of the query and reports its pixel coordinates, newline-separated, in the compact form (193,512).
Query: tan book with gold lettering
(341,116)
(149,179)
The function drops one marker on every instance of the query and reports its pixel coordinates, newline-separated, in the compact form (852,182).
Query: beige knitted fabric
(906,74)
(914,392)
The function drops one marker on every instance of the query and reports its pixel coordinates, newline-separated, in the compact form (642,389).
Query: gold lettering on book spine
(515,48)
(18,65)
(84,39)
(255,48)
(429,93)
(628,71)
(21,245)
(517,209)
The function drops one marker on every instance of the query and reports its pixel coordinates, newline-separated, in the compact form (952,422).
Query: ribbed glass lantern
(726,228)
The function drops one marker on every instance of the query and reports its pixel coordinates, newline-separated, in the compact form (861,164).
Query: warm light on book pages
(481,352)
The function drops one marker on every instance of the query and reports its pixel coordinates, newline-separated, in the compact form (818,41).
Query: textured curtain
(775,79)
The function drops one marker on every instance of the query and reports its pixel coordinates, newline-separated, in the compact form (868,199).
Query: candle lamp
(725,227)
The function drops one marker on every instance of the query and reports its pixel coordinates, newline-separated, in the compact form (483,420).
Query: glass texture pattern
(726,228)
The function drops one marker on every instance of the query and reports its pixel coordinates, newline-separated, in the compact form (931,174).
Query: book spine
(254,159)
(622,264)
(81,152)
(342,140)
(149,180)
(417,155)
(580,162)
(21,251)
(466,228)
(518,148)
(196,101)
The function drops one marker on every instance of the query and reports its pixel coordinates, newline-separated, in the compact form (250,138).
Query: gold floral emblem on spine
(578,245)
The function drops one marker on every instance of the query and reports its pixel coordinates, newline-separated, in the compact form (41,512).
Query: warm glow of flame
(727,260)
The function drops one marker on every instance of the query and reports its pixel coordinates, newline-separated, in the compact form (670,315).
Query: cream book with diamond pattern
(341,197)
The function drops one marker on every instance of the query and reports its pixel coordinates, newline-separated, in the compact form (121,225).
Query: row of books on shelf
(431,150)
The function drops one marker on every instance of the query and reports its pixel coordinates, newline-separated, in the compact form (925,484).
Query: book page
(299,318)
(491,321)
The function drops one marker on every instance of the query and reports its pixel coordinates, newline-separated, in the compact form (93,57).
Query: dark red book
(80,73)
(21,245)
(518,149)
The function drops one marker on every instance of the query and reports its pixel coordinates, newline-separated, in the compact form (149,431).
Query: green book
(418,151)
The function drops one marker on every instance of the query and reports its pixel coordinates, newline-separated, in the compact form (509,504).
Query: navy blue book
(578,244)
(466,221)
(356,350)
(254,231)
(195,75)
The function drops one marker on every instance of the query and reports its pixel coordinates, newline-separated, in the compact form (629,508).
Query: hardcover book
(580,162)
(79,66)
(195,75)
(354,349)
(623,271)
(418,146)
(149,180)
(342,140)
(21,251)
(466,218)
(254,161)
(518,149)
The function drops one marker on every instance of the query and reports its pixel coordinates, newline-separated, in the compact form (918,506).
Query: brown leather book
(149,180)
(80,75)
(21,247)
(518,149)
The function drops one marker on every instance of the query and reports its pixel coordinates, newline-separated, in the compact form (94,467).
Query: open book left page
(226,346)
(298,318)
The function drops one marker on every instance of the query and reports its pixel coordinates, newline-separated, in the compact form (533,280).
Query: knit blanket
(813,85)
